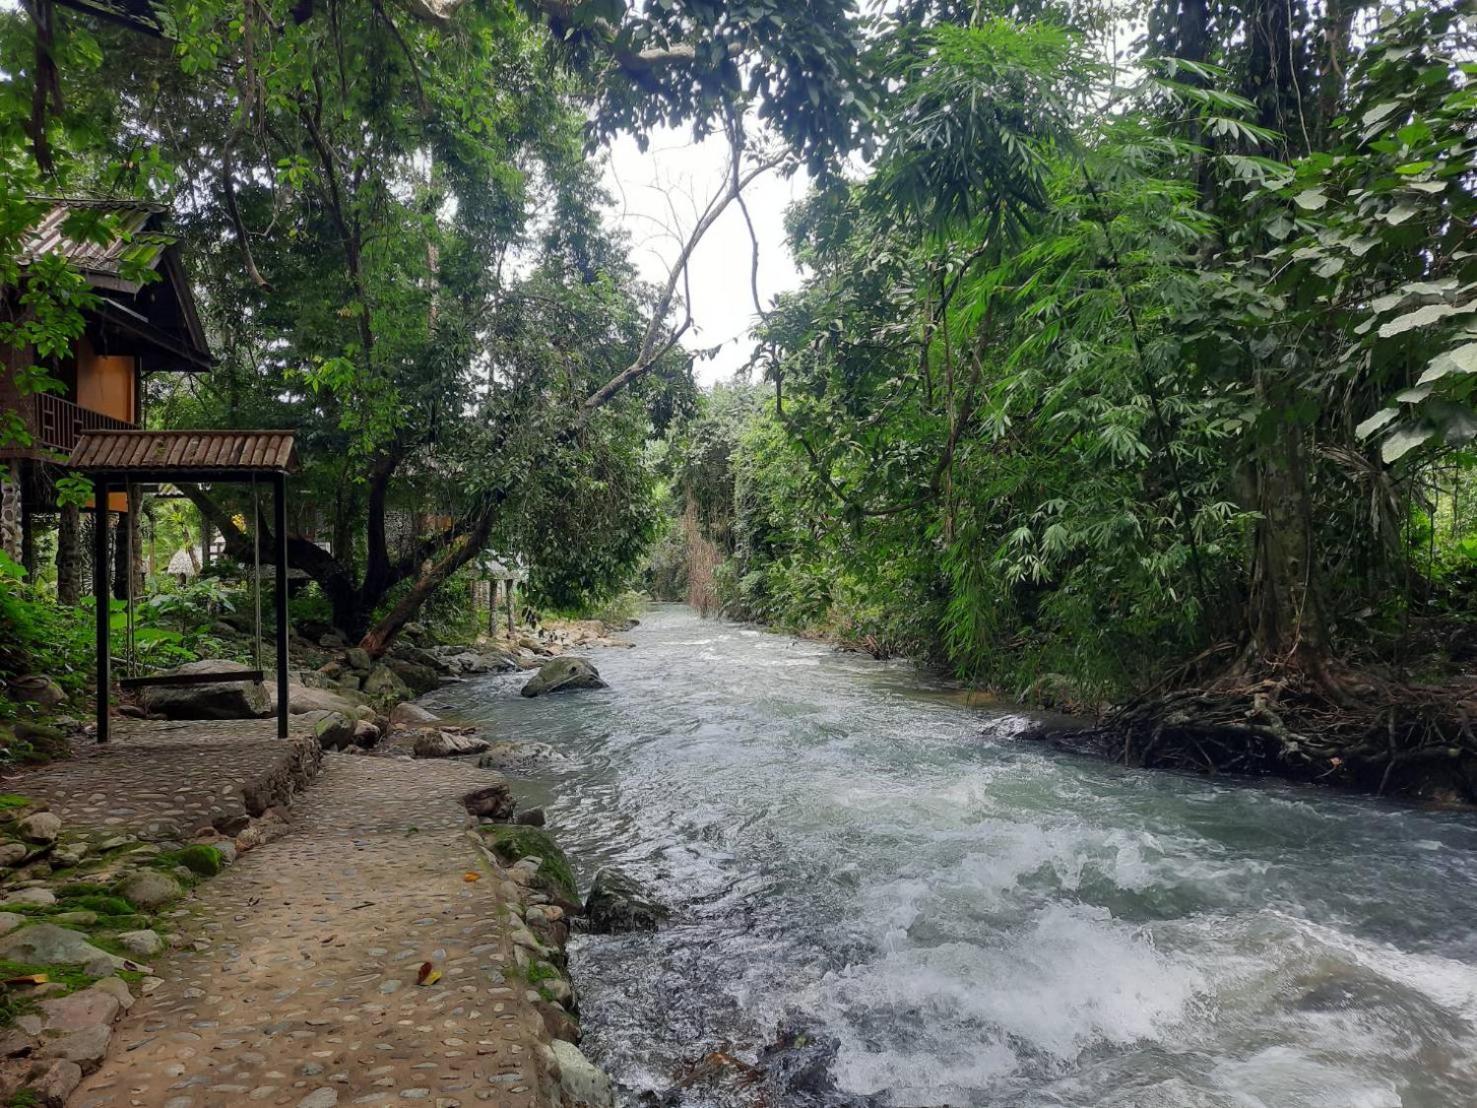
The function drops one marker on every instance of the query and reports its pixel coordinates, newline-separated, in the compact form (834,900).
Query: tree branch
(654,344)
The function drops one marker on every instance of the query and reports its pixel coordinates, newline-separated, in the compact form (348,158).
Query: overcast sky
(677,172)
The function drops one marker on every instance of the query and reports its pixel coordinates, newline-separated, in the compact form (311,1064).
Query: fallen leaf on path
(428,975)
(470,876)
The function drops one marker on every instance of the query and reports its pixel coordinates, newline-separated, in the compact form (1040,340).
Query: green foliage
(40,637)
(1074,392)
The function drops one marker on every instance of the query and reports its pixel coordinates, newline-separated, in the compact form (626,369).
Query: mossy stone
(201,859)
(510,843)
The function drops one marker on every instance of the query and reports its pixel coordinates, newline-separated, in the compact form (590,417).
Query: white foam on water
(1447,982)
(1282,1076)
(1071,978)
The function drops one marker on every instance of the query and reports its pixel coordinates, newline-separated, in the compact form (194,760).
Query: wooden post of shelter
(279,527)
(103,600)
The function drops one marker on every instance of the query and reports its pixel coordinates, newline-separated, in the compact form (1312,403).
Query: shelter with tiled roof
(144,320)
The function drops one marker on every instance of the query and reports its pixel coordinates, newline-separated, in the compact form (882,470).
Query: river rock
(419,679)
(493,801)
(51,1083)
(235,700)
(532,817)
(47,944)
(301,699)
(581,1081)
(446,744)
(617,902)
(356,657)
(34,688)
(141,944)
(149,888)
(11,853)
(366,734)
(563,674)
(506,754)
(40,827)
(412,715)
(333,730)
(384,684)
(80,1010)
(36,897)
(86,1048)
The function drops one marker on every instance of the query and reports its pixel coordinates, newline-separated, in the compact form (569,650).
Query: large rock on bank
(447,744)
(216,700)
(617,903)
(563,674)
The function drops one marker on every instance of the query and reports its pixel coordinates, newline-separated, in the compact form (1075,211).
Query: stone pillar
(69,557)
(10,512)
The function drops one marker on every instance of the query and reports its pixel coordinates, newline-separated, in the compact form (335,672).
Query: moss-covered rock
(102,904)
(201,859)
(511,843)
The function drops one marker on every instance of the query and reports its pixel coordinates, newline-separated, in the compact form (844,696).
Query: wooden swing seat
(229,677)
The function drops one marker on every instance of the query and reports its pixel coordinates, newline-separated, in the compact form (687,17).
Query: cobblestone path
(301,988)
(169,779)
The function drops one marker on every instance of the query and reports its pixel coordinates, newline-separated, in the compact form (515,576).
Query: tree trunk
(69,557)
(127,550)
(461,550)
(1286,612)
(28,544)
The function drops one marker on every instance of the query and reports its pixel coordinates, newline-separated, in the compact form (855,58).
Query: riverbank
(199,793)
(1354,730)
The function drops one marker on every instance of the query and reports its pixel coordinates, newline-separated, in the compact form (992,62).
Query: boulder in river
(406,714)
(224,700)
(563,674)
(618,902)
(581,1081)
(447,744)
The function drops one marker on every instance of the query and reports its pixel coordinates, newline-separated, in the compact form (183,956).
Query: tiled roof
(244,451)
(127,239)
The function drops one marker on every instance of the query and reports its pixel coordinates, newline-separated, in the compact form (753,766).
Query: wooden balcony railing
(59,422)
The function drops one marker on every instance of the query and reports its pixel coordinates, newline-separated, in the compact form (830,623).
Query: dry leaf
(28,979)
(428,974)
(471,876)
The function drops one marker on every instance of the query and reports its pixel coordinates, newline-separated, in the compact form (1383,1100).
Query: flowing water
(881,898)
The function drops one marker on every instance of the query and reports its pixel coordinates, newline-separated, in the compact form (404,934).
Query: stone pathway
(169,780)
(301,986)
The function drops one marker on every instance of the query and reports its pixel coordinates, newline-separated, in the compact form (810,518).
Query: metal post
(279,524)
(100,592)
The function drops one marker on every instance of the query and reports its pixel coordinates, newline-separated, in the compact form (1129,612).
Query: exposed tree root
(1321,723)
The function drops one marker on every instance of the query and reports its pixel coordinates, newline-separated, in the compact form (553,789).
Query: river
(881,898)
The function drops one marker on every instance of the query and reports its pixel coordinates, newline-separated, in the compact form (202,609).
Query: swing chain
(256,551)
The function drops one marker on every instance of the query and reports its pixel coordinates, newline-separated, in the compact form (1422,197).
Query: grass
(102,904)
(11,801)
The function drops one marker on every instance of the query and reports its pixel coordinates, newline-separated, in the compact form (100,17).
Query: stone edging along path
(95,857)
(383,952)
(370,957)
